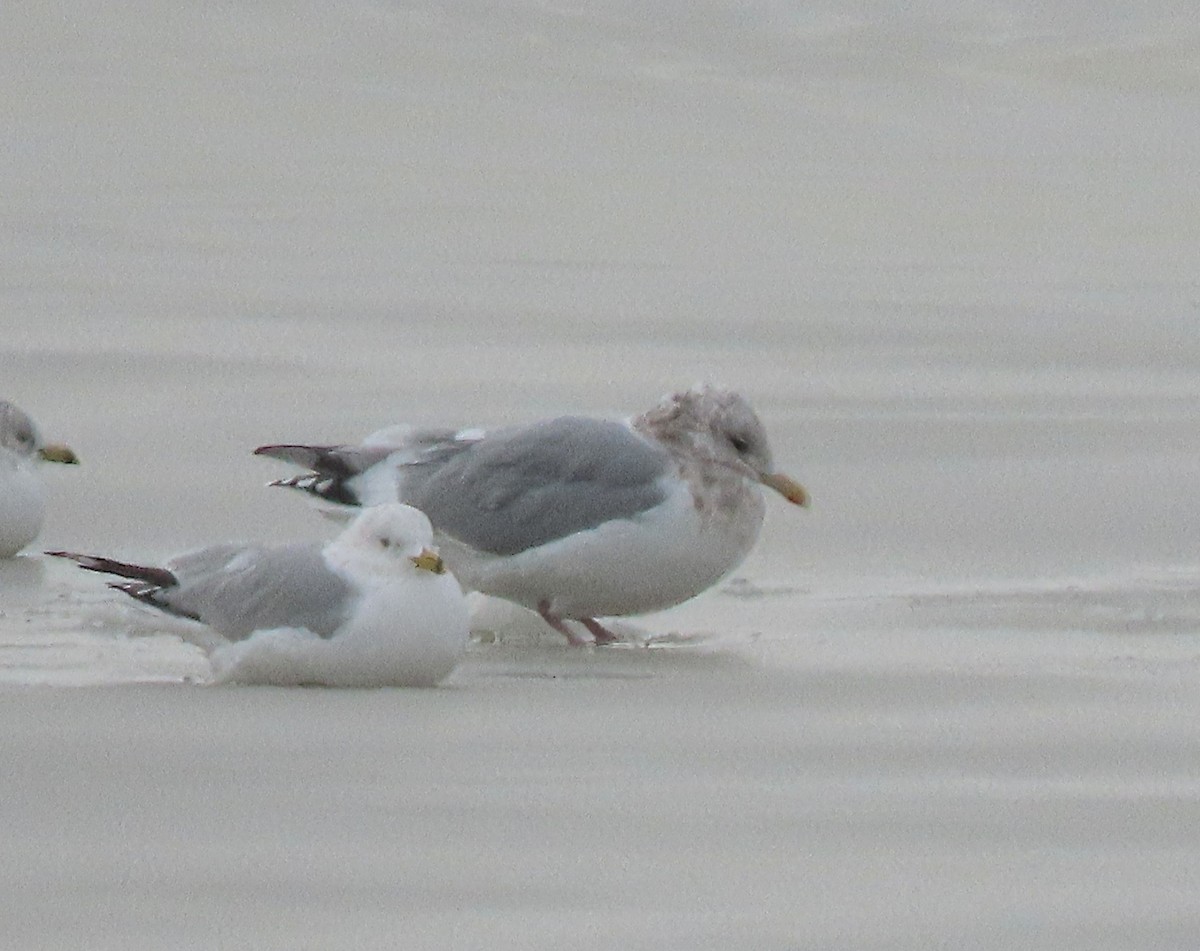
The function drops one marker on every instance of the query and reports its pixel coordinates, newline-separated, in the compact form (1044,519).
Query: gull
(22,495)
(576,517)
(373,607)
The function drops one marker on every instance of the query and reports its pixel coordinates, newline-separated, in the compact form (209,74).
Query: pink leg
(600,634)
(557,623)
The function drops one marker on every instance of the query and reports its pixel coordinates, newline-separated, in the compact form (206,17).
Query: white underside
(626,566)
(22,504)
(410,635)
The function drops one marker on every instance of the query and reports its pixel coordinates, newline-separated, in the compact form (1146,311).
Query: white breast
(22,504)
(407,634)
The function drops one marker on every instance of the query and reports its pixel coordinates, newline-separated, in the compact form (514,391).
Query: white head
(19,435)
(389,540)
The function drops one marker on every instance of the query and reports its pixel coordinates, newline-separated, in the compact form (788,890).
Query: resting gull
(575,517)
(374,607)
(22,495)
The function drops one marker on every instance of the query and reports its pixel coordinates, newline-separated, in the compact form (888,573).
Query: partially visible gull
(576,517)
(22,495)
(374,607)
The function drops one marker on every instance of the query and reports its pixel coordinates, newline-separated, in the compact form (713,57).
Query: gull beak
(429,560)
(788,487)
(56,452)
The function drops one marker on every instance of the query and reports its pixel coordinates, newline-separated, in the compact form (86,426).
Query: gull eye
(385,543)
(741,444)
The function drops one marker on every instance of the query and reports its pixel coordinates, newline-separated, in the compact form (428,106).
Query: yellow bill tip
(429,560)
(788,487)
(57,452)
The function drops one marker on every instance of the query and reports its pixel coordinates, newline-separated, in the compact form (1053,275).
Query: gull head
(389,540)
(720,424)
(19,435)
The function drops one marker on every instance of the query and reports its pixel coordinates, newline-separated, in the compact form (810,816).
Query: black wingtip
(147,592)
(275,450)
(310,457)
(148,574)
(330,469)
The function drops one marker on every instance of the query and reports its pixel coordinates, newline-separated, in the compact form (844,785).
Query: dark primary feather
(333,468)
(344,461)
(158,577)
(147,583)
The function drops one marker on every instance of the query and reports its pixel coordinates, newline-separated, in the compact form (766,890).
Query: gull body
(373,607)
(22,494)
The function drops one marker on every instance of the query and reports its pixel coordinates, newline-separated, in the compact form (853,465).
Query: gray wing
(239,589)
(519,488)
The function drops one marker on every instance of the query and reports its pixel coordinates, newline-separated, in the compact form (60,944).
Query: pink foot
(600,634)
(557,623)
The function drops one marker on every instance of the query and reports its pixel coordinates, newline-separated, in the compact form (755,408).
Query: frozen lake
(949,253)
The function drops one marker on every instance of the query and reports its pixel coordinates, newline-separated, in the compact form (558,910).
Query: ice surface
(950,253)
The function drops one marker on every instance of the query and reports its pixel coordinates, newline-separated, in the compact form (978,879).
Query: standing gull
(22,495)
(374,607)
(575,517)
